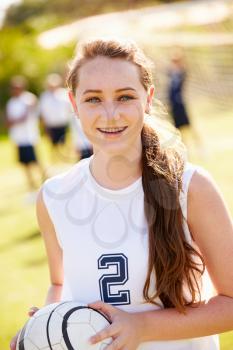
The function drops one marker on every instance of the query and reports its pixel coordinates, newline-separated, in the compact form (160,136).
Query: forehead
(103,72)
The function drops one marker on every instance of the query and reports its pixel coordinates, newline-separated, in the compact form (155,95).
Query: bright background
(34,44)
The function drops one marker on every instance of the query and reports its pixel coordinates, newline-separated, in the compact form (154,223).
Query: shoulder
(41,211)
(197,187)
(206,206)
(202,187)
(28,98)
(60,186)
(210,223)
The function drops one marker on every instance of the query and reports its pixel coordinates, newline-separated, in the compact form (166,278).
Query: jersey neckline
(107,192)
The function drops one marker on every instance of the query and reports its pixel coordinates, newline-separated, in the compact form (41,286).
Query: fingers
(107,332)
(13,344)
(107,309)
(99,305)
(117,344)
(32,310)
(14,341)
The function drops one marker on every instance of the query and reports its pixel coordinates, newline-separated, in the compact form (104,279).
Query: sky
(4,4)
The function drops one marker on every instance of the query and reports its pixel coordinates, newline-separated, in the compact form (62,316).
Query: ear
(73,102)
(150,97)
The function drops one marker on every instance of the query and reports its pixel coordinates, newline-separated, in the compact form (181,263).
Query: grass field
(24,275)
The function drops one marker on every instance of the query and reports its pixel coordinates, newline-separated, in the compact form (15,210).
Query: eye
(126,98)
(93,99)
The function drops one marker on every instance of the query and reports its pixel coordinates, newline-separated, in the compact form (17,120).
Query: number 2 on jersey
(110,280)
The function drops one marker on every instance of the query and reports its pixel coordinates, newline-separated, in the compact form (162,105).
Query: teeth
(112,129)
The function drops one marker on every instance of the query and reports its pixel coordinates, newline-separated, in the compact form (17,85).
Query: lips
(112,131)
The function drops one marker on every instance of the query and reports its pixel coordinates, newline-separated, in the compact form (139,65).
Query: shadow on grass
(9,211)
(35,262)
(29,238)
(28,261)
(25,239)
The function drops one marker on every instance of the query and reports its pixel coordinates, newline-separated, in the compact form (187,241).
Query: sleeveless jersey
(103,234)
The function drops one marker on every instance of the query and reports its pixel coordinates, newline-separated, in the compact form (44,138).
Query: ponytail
(171,258)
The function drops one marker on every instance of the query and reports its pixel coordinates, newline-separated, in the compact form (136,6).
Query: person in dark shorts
(177,75)
(55,112)
(22,115)
(27,154)
(57,134)
(177,106)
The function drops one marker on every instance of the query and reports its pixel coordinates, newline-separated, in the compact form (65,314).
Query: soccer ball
(63,326)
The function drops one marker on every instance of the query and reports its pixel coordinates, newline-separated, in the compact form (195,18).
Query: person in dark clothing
(177,75)
(178,110)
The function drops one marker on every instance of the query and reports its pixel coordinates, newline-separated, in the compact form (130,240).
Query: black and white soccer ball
(63,326)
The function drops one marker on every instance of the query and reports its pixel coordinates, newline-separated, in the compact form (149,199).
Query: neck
(116,171)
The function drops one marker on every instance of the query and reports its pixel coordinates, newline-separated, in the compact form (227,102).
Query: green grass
(24,274)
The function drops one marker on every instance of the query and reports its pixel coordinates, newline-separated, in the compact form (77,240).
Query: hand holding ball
(63,326)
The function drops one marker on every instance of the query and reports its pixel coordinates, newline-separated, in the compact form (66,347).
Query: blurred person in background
(177,76)
(55,112)
(82,145)
(22,122)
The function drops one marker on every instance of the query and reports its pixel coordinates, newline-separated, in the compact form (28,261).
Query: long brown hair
(172,259)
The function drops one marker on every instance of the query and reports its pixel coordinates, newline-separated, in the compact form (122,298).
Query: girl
(133,229)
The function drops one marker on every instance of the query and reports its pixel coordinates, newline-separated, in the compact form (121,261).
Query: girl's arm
(53,250)
(211,227)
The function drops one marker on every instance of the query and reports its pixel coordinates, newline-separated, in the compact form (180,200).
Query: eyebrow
(99,91)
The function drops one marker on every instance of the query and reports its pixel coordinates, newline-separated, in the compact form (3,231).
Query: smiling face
(111,102)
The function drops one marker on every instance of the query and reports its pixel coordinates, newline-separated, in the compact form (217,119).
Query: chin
(118,147)
(114,148)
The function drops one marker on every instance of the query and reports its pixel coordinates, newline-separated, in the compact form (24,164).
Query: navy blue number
(119,278)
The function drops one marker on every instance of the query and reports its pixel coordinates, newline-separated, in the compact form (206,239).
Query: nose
(111,111)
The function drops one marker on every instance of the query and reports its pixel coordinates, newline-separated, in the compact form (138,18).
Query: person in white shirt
(22,122)
(136,231)
(82,145)
(55,111)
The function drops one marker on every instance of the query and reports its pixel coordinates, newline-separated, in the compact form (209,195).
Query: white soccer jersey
(26,132)
(55,108)
(104,237)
